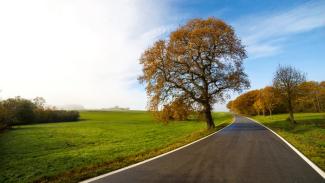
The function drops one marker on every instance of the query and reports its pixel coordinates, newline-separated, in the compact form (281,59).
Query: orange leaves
(179,110)
(244,104)
(310,98)
(201,60)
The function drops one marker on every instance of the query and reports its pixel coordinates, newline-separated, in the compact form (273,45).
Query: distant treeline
(18,111)
(309,98)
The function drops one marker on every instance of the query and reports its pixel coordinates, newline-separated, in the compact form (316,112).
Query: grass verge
(101,142)
(308,136)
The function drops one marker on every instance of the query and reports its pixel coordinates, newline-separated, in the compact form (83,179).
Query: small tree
(39,102)
(201,60)
(4,117)
(258,106)
(309,95)
(322,95)
(19,110)
(244,104)
(179,110)
(271,99)
(287,80)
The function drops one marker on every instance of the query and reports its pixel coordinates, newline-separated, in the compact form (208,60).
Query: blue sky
(86,52)
(302,47)
(274,32)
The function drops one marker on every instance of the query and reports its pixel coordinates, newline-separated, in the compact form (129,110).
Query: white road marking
(156,157)
(310,163)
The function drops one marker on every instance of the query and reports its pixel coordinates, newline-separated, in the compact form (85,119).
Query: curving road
(242,152)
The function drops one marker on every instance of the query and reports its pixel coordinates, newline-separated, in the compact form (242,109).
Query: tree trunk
(270,112)
(318,104)
(292,119)
(314,104)
(263,112)
(208,116)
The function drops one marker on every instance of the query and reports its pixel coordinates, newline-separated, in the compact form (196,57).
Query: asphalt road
(242,152)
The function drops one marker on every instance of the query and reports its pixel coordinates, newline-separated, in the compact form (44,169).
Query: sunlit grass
(101,142)
(308,136)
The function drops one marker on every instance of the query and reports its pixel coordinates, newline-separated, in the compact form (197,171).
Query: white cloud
(265,35)
(86,52)
(77,52)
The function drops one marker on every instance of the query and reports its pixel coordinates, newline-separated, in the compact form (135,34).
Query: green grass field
(100,142)
(308,136)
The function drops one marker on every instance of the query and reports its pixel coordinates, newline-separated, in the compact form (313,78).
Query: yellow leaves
(178,110)
(192,62)
(310,99)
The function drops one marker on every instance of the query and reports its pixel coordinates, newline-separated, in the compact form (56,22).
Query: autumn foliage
(310,98)
(199,63)
(179,110)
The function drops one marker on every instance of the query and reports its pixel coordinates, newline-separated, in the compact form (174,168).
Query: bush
(178,110)
(49,115)
(4,117)
(18,111)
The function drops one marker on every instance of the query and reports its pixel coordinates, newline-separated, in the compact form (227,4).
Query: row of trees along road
(290,93)
(199,63)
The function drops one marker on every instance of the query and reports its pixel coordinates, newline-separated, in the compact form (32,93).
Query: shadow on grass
(302,126)
(24,126)
(313,122)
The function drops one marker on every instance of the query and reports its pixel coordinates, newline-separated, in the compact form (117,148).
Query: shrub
(50,115)
(18,111)
(4,117)
(179,110)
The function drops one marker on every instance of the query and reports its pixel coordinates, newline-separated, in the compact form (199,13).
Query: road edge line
(153,158)
(308,161)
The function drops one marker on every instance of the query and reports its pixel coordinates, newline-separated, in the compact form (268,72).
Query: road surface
(242,152)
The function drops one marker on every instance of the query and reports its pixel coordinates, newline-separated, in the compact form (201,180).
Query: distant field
(101,142)
(308,136)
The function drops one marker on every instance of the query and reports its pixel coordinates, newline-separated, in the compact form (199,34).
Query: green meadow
(100,142)
(308,136)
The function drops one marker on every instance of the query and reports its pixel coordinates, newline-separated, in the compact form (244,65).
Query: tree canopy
(201,61)
(287,80)
(310,98)
(19,111)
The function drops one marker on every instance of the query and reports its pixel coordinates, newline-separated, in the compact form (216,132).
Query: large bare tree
(287,80)
(201,60)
